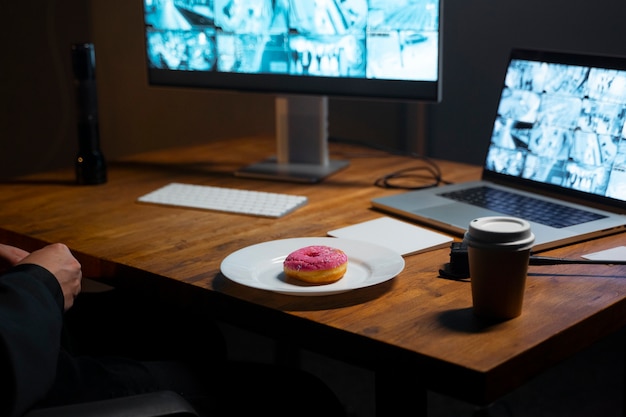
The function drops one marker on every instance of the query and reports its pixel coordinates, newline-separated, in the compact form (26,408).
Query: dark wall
(478,37)
(36,115)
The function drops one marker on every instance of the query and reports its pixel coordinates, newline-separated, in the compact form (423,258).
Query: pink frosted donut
(316,264)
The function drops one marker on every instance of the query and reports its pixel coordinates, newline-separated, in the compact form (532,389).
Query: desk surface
(416,323)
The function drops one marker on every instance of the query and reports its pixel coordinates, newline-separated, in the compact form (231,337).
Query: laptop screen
(560,121)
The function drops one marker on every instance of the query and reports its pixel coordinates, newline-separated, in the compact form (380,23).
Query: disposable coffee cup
(498,253)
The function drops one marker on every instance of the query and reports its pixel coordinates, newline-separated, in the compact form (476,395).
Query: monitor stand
(302,143)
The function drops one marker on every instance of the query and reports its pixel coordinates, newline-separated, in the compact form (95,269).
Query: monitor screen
(375,49)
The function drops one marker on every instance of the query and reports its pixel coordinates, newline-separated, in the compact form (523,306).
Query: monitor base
(293,172)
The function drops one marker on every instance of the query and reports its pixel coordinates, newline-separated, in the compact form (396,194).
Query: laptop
(556,156)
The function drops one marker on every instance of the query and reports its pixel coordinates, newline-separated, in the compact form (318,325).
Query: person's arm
(31,319)
(34,292)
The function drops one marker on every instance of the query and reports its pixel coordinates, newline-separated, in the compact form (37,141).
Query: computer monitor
(303,52)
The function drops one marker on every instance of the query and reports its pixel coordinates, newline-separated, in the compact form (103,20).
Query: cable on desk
(399,179)
(458,267)
(401,176)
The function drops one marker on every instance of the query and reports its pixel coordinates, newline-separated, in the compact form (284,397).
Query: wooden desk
(416,326)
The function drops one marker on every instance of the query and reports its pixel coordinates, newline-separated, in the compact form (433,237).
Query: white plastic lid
(506,232)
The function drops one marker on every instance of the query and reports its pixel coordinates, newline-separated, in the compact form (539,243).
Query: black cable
(399,178)
(389,180)
(458,268)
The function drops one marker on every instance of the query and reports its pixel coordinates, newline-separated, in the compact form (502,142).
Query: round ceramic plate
(261,265)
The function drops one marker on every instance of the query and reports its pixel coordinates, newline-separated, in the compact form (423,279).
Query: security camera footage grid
(563,125)
(381,39)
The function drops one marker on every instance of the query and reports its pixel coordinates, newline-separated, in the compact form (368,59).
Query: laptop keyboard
(528,208)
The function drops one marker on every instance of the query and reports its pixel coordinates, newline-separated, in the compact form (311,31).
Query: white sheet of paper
(403,237)
(613,254)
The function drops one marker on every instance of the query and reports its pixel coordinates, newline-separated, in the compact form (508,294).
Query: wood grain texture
(417,323)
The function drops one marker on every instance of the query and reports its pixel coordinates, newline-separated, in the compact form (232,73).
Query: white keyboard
(232,200)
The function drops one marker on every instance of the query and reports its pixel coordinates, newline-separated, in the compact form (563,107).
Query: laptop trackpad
(456,214)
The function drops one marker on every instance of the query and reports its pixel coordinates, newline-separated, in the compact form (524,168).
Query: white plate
(261,265)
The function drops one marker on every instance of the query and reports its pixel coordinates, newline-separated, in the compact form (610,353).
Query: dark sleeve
(31,320)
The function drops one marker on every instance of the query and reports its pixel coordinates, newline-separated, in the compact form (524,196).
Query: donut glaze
(316,264)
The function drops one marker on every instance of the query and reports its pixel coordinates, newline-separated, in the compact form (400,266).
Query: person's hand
(10,256)
(57,259)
